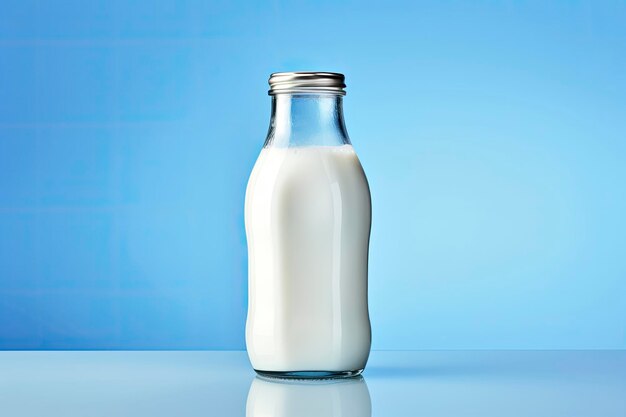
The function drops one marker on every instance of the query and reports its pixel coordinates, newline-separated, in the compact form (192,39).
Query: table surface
(395,383)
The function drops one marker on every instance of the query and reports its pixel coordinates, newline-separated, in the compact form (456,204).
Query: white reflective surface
(329,398)
(454,383)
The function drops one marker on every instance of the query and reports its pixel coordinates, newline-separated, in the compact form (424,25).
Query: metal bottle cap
(307,82)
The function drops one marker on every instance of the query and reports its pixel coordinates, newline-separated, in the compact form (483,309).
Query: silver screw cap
(307,82)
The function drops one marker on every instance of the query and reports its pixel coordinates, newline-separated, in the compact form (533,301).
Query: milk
(308,216)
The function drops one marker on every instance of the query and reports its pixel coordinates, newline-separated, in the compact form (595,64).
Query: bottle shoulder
(309,170)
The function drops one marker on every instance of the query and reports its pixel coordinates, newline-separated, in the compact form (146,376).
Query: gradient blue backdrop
(493,135)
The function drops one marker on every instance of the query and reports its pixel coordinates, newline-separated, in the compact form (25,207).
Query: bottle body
(307,220)
(307,217)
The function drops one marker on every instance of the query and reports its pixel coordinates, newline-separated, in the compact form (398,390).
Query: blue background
(493,135)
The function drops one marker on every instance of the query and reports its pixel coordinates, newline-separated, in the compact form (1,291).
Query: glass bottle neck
(307,120)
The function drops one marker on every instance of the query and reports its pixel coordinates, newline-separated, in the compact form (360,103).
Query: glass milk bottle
(308,217)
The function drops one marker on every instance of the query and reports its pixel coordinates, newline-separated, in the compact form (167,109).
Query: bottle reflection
(332,398)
